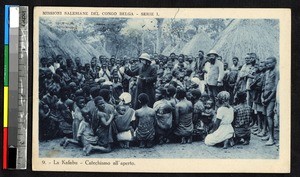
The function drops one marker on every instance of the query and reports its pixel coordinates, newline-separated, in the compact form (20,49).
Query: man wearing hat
(214,74)
(146,78)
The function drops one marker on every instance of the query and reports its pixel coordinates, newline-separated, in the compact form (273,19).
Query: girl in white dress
(223,128)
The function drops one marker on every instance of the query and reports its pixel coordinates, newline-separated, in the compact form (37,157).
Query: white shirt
(215,72)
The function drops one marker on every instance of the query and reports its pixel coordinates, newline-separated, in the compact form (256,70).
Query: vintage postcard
(161,90)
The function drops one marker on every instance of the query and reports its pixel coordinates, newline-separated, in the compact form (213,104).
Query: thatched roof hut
(243,36)
(65,44)
(201,41)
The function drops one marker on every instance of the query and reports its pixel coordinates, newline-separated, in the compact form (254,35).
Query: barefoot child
(242,119)
(85,135)
(258,108)
(77,115)
(269,96)
(208,115)
(145,117)
(198,109)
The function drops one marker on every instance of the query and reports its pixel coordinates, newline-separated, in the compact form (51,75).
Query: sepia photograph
(117,87)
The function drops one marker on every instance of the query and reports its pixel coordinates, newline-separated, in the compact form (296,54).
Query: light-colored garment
(105,74)
(52,69)
(77,118)
(125,136)
(215,72)
(56,65)
(122,123)
(245,71)
(225,130)
(85,131)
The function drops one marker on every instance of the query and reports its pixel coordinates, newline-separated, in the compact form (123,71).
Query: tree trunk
(158,35)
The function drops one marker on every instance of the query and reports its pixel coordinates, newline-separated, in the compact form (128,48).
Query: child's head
(143,99)
(99,103)
(105,94)
(204,97)
(121,109)
(86,114)
(70,104)
(95,91)
(116,77)
(171,91)
(161,93)
(209,104)
(80,102)
(73,87)
(181,94)
(52,90)
(168,78)
(262,66)
(196,94)
(241,97)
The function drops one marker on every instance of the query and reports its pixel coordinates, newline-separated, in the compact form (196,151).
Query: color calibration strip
(13,85)
(15,113)
(5,104)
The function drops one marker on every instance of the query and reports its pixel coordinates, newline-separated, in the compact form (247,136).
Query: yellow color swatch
(5,107)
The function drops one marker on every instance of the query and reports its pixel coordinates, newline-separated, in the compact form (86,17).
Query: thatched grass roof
(200,41)
(245,36)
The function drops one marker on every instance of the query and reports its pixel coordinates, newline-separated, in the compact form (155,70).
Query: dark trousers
(213,91)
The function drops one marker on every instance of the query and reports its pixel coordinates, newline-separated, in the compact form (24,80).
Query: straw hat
(212,52)
(145,56)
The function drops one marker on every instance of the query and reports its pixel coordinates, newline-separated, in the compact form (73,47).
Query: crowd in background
(154,99)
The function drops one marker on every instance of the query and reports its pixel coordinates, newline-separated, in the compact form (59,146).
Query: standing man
(215,72)
(245,77)
(146,78)
(200,62)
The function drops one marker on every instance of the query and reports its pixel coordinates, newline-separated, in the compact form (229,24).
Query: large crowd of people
(120,102)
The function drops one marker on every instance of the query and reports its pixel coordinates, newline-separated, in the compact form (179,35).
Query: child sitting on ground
(242,119)
(77,116)
(207,116)
(197,113)
(85,135)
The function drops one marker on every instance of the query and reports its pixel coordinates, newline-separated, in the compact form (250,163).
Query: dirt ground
(255,150)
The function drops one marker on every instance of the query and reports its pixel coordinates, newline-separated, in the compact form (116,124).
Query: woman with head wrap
(223,128)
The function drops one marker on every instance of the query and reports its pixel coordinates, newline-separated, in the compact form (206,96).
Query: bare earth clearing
(255,150)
